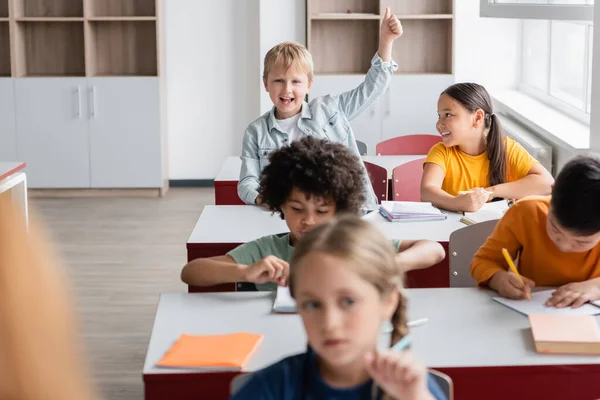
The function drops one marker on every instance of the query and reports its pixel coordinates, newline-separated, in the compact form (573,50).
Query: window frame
(559,12)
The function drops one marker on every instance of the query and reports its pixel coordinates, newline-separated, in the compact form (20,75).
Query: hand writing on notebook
(575,294)
(508,285)
(269,269)
(398,374)
(472,200)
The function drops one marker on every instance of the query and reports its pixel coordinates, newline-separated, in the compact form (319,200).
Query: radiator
(539,149)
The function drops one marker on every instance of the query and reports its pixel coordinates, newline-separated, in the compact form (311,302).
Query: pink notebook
(563,334)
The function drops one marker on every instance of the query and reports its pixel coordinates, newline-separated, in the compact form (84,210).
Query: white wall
(212,68)
(486,50)
(279,21)
(595,114)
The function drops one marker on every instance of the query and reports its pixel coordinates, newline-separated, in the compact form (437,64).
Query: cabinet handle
(78,102)
(93,112)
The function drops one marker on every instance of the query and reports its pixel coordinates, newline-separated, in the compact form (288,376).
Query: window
(566,10)
(556,65)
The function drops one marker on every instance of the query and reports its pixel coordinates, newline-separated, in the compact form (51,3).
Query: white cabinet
(409,106)
(89,132)
(125,147)
(8,133)
(52,128)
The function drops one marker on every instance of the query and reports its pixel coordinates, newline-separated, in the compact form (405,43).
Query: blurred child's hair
(576,195)
(40,350)
(289,54)
(317,167)
(473,97)
(351,238)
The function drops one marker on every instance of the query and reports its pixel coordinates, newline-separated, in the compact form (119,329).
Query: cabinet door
(410,106)
(52,131)
(8,134)
(366,126)
(125,147)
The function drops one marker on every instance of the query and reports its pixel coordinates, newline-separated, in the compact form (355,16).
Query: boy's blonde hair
(288,54)
(351,238)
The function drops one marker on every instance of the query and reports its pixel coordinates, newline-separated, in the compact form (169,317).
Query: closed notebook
(563,334)
(397,211)
(212,352)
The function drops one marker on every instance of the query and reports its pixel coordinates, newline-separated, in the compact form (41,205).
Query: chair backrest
(444,382)
(362,148)
(407,145)
(238,381)
(463,245)
(379,180)
(406,181)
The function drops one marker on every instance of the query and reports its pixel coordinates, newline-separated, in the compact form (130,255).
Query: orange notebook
(214,352)
(562,334)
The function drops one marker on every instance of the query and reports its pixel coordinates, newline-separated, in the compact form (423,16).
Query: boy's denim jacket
(326,117)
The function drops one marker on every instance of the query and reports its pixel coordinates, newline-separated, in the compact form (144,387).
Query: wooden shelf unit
(4,9)
(122,48)
(78,38)
(50,49)
(121,8)
(343,35)
(4,50)
(48,8)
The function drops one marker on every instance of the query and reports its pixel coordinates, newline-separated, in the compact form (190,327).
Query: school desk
(13,182)
(227,179)
(486,348)
(222,228)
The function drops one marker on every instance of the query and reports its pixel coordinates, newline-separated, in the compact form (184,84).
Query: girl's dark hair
(473,97)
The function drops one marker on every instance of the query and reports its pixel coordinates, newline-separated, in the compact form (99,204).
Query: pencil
(513,268)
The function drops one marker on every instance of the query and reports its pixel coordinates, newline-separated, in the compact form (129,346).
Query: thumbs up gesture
(391,28)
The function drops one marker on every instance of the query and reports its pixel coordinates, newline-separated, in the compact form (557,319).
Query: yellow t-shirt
(464,172)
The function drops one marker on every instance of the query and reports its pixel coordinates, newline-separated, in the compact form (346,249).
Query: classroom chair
(362,148)
(463,245)
(379,180)
(407,145)
(444,382)
(406,181)
(239,381)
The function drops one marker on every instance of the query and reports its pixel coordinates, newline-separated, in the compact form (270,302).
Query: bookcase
(78,38)
(87,84)
(343,35)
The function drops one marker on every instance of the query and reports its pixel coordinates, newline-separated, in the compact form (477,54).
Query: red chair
(407,145)
(379,180)
(406,181)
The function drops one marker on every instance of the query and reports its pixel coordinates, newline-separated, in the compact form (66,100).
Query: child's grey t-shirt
(272,245)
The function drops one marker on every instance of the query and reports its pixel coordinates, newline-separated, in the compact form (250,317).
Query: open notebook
(211,352)
(536,306)
(563,334)
(402,211)
(488,212)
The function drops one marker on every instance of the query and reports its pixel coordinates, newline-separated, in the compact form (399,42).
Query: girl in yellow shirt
(475,162)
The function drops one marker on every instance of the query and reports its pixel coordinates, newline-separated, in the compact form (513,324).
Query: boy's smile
(287,89)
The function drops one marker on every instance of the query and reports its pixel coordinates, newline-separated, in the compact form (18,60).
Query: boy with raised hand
(288,76)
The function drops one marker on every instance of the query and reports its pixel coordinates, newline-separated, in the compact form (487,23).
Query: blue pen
(403,344)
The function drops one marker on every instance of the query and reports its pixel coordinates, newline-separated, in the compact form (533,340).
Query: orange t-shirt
(464,172)
(523,229)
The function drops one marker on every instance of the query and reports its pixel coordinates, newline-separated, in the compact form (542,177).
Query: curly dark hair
(317,167)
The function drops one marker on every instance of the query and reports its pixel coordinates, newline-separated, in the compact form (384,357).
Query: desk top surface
(466,328)
(241,224)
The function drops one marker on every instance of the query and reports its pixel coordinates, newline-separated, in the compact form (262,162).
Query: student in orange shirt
(557,238)
(475,157)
